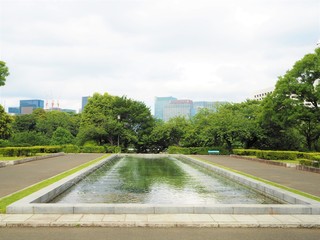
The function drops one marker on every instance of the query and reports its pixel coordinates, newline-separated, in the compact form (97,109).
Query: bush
(92,149)
(309,163)
(278,155)
(113,149)
(28,151)
(246,152)
(70,148)
(194,150)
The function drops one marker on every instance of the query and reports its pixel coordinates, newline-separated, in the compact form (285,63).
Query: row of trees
(288,119)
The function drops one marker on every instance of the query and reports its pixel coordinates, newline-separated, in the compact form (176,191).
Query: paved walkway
(304,181)
(17,177)
(159,220)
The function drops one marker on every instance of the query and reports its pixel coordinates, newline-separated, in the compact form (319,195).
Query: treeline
(287,119)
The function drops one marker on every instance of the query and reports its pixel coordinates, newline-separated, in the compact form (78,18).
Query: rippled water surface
(158,181)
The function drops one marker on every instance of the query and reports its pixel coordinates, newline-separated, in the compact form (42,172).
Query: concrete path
(17,177)
(159,220)
(304,181)
(138,233)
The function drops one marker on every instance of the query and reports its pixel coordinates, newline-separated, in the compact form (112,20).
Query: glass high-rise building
(84,102)
(178,108)
(160,103)
(27,106)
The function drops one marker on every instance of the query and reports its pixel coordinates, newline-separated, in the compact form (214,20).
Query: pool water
(158,181)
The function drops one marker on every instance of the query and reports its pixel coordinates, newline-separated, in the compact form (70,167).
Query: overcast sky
(200,50)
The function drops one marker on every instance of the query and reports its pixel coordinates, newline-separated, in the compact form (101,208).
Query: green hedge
(310,163)
(194,150)
(246,152)
(28,151)
(277,155)
(92,149)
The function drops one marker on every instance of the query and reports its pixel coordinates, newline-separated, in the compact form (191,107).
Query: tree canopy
(4,73)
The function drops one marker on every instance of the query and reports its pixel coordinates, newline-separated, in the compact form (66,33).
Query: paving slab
(160,220)
(289,177)
(16,177)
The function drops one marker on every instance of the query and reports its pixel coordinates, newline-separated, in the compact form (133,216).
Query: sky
(203,50)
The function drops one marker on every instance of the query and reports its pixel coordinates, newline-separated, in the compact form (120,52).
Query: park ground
(13,178)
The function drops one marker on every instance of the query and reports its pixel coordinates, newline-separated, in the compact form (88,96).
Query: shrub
(309,163)
(70,148)
(278,155)
(28,151)
(246,152)
(92,149)
(194,150)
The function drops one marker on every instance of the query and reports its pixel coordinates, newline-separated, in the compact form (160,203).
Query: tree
(296,100)
(108,119)
(5,124)
(4,73)
(61,136)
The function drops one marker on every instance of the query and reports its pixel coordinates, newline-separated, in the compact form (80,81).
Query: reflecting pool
(158,181)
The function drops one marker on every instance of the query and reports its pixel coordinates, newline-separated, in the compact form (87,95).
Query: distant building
(261,94)
(213,106)
(27,106)
(84,102)
(14,110)
(160,103)
(178,108)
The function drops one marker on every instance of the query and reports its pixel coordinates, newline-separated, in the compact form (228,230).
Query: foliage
(195,150)
(5,124)
(295,102)
(28,151)
(69,148)
(62,136)
(4,73)
(110,119)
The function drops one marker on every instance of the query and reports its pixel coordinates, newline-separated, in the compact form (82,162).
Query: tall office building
(177,108)
(84,102)
(27,106)
(213,106)
(160,103)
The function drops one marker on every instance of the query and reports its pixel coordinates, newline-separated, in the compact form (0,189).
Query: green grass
(304,194)
(11,158)
(7,200)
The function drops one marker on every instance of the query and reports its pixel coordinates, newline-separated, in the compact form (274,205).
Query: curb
(15,162)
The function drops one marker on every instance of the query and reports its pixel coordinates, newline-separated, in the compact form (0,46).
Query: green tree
(5,124)
(296,99)
(61,136)
(108,119)
(4,73)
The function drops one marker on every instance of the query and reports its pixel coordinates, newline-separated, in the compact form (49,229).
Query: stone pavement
(301,180)
(160,220)
(17,177)
(23,175)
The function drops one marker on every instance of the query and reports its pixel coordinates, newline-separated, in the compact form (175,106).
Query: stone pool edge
(35,203)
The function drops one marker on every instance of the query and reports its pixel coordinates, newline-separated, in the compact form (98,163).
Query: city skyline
(203,50)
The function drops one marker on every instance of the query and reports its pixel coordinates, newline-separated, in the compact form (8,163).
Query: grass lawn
(7,200)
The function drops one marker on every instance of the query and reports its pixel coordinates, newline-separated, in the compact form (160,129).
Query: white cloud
(202,50)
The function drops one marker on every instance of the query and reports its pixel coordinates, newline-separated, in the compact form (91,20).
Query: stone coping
(160,220)
(36,203)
